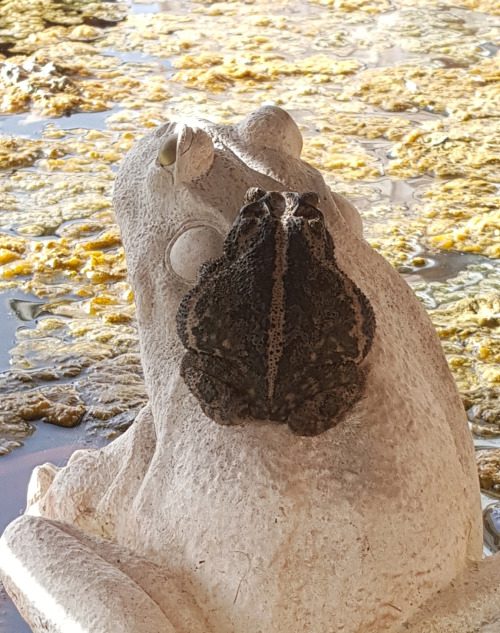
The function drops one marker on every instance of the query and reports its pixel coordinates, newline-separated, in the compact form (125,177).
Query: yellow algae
(17,152)
(488,466)
(456,91)
(21,21)
(204,60)
(16,269)
(418,261)
(32,230)
(366,128)
(84,32)
(483,6)
(469,315)
(7,256)
(433,30)
(463,214)
(111,389)
(356,5)
(41,200)
(370,127)
(346,161)
(56,405)
(89,83)
(455,150)
(470,329)
(257,67)
(16,245)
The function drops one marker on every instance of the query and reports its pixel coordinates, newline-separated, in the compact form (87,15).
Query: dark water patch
(10,619)
(481,443)
(10,322)
(444,265)
(450,62)
(176,7)
(140,8)
(6,46)
(489,49)
(404,192)
(15,472)
(17,309)
(27,125)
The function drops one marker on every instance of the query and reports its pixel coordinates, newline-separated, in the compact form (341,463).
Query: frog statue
(304,462)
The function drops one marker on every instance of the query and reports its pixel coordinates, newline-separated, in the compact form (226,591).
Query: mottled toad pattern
(274,330)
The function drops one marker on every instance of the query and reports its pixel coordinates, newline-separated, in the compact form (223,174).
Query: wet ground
(398,102)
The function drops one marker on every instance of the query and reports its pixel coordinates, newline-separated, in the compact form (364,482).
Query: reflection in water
(444,266)
(27,310)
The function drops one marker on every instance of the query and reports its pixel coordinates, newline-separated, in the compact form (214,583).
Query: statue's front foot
(63,579)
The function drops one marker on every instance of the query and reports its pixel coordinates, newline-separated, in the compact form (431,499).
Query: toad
(274,329)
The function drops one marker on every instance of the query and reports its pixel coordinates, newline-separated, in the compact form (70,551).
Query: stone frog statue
(304,462)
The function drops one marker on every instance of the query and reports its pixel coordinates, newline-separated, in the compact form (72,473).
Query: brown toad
(273,328)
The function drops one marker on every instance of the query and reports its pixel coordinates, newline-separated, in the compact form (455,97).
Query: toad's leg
(211,380)
(328,408)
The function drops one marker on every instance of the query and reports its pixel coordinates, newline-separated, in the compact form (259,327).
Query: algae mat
(399,104)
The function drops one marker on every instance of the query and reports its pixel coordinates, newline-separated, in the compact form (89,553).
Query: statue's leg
(64,579)
(97,484)
(470,604)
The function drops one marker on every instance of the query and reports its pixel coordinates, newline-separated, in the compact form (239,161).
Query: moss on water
(398,104)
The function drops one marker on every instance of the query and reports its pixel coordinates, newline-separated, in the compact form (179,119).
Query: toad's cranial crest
(274,329)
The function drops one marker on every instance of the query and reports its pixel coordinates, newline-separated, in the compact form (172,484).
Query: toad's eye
(192,248)
(253,194)
(307,206)
(307,212)
(252,210)
(310,197)
(167,152)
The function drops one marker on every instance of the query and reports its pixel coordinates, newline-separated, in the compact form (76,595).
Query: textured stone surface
(353,530)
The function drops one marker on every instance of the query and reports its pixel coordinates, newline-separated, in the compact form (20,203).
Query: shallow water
(53,445)
(373,169)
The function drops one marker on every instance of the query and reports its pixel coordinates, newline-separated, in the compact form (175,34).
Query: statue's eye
(192,248)
(167,152)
